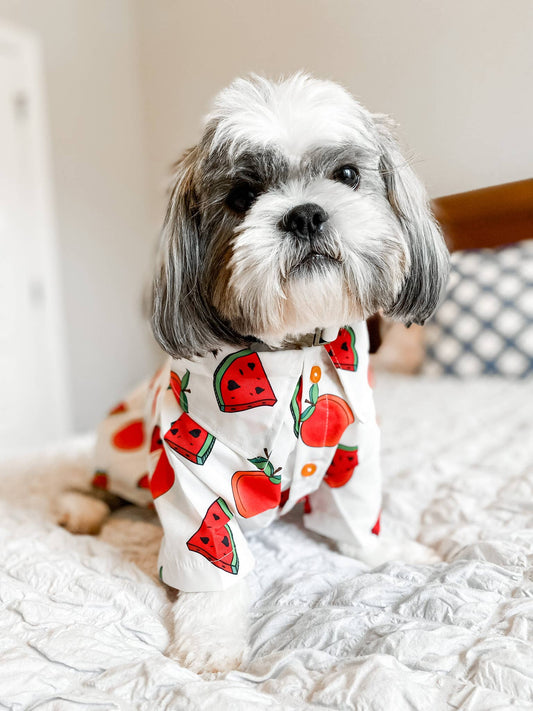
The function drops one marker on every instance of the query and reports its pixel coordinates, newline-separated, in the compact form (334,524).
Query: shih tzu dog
(293,220)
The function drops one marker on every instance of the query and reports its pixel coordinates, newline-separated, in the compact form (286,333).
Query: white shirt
(227,443)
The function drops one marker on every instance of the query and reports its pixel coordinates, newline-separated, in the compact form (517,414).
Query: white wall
(456,75)
(94,102)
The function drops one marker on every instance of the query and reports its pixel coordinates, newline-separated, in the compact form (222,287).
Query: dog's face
(295,211)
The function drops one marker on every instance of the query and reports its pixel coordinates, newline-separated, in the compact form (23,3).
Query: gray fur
(427,275)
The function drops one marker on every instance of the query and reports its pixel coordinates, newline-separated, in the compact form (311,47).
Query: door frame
(25,44)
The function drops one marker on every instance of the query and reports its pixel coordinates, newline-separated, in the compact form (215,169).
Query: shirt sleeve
(203,548)
(346,505)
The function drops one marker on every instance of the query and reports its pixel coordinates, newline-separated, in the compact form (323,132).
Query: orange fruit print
(308,469)
(326,425)
(257,491)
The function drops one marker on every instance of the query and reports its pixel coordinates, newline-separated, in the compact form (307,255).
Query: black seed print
(344,347)
(204,539)
(216,516)
(174,431)
(225,541)
(259,390)
(251,365)
(232,385)
(195,433)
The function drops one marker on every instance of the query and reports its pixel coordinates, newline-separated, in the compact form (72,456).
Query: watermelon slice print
(156,442)
(342,350)
(214,539)
(342,467)
(100,480)
(377,526)
(163,477)
(118,409)
(240,383)
(144,482)
(131,436)
(257,491)
(188,438)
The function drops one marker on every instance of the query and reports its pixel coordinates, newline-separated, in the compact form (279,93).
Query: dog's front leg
(211,629)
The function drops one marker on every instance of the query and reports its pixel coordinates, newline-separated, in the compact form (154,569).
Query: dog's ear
(428,270)
(182,321)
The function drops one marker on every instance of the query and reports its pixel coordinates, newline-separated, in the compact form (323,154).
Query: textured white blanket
(82,627)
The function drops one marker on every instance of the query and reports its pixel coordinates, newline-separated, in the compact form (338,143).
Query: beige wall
(456,75)
(93,95)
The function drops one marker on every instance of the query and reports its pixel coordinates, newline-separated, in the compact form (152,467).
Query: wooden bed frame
(490,217)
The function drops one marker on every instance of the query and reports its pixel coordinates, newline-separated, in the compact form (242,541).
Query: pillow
(485,324)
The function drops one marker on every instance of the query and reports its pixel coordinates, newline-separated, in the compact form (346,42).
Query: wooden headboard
(490,217)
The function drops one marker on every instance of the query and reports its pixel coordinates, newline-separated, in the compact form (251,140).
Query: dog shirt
(227,443)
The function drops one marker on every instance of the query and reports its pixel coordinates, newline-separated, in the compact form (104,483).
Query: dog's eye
(347,174)
(241,197)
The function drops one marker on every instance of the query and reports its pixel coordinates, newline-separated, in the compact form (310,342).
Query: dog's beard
(277,287)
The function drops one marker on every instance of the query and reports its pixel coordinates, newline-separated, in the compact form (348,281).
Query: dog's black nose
(304,221)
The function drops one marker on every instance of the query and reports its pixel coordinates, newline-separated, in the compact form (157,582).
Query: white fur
(211,629)
(295,114)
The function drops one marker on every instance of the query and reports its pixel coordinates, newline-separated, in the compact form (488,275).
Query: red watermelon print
(214,538)
(100,480)
(377,526)
(188,438)
(240,383)
(156,441)
(163,477)
(342,467)
(342,350)
(144,482)
(257,491)
(131,436)
(118,409)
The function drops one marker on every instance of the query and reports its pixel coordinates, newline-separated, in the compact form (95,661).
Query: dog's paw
(208,655)
(210,630)
(80,513)
(388,549)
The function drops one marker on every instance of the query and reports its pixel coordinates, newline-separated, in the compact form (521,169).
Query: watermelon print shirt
(225,444)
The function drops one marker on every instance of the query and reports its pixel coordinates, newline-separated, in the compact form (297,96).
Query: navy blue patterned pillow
(485,324)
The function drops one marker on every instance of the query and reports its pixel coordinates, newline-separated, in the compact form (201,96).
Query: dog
(293,220)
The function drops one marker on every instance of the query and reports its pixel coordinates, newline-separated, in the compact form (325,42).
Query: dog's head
(295,211)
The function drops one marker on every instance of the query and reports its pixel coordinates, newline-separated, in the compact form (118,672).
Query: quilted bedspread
(84,622)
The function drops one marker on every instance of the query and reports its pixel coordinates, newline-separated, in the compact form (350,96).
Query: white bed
(83,627)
